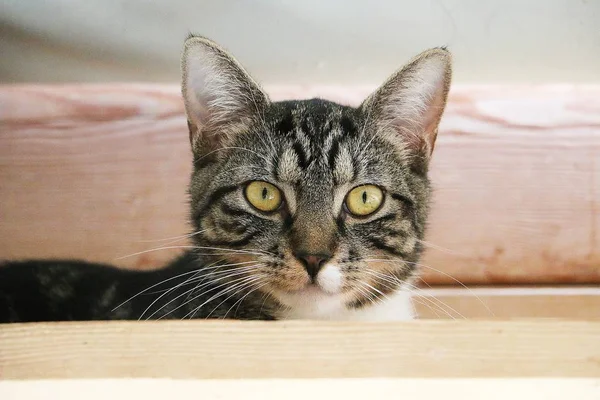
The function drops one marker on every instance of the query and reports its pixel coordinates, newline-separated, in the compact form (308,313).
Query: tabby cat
(301,209)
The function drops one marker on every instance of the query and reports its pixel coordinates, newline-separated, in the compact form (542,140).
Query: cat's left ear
(221,99)
(408,107)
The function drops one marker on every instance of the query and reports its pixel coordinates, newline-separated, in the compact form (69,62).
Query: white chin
(314,290)
(329,279)
(311,302)
(325,300)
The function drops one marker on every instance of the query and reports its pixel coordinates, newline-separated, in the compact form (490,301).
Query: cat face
(315,204)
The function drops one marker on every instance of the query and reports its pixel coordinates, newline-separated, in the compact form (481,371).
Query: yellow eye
(364,200)
(263,196)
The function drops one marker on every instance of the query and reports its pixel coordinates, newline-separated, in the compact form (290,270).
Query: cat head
(313,203)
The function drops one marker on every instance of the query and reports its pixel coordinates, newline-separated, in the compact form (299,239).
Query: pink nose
(312,262)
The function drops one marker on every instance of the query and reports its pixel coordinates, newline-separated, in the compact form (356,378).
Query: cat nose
(312,262)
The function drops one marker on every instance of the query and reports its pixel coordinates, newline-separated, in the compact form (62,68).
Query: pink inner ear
(220,97)
(412,101)
(418,118)
(431,119)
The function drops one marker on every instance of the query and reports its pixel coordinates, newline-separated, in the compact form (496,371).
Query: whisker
(435,301)
(399,283)
(215,272)
(245,251)
(157,284)
(457,281)
(416,299)
(425,282)
(230,251)
(234,294)
(239,288)
(393,279)
(175,238)
(199,295)
(266,296)
(239,302)
(376,290)
(156,249)
(165,292)
(366,293)
(242,282)
(191,280)
(388,278)
(440,248)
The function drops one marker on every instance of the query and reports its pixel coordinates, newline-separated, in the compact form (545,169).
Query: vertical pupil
(364,197)
(264,193)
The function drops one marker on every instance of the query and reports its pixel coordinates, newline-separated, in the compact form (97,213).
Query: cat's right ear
(408,107)
(221,99)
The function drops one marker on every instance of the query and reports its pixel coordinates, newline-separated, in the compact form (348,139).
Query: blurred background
(300,42)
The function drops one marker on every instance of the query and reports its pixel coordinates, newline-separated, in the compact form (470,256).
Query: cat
(303,209)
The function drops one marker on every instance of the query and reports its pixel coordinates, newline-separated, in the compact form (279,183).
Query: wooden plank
(508,303)
(100,171)
(249,350)
(276,389)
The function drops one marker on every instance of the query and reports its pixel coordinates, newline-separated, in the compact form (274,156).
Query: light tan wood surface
(100,172)
(510,303)
(301,389)
(303,349)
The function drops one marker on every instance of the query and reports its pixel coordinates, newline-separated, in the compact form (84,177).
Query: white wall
(312,41)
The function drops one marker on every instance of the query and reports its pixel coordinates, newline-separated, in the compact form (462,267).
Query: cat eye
(263,196)
(364,200)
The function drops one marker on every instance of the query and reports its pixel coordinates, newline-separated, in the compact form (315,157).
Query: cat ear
(408,107)
(220,98)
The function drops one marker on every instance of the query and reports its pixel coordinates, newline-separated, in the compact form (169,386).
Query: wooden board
(508,303)
(301,389)
(300,350)
(100,171)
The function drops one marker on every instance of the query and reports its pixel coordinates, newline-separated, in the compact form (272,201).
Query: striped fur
(315,151)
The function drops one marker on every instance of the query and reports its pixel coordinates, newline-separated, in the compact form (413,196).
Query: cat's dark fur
(311,257)
(72,290)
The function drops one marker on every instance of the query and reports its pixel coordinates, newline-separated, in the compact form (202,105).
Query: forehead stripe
(333,152)
(301,154)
